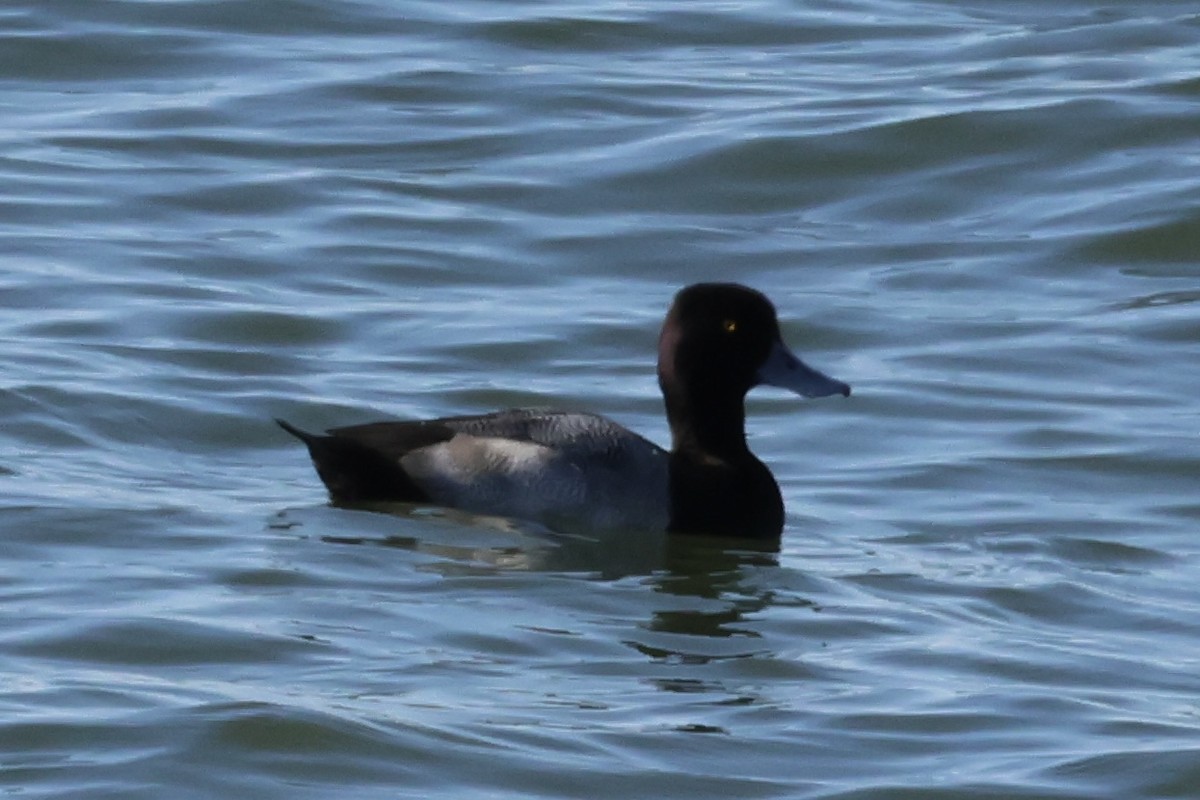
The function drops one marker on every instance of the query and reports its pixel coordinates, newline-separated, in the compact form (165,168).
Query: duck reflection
(704,590)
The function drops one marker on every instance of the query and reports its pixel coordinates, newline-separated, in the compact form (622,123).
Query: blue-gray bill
(784,370)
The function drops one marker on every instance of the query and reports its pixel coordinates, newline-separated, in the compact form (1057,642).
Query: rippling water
(983,215)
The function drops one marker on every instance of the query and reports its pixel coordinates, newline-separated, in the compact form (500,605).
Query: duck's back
(566,470)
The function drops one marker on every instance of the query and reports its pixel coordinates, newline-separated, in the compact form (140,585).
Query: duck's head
(720,340)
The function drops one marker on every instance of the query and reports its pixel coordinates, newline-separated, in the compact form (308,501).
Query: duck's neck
(717,486)
(709,424)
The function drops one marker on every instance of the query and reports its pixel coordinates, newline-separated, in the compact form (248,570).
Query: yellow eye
(729,325)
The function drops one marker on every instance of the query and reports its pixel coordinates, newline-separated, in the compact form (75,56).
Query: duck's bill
(783,369)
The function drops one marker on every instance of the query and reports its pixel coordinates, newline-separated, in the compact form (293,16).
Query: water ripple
(219,213)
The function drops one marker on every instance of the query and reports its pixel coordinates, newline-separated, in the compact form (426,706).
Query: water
(985,216)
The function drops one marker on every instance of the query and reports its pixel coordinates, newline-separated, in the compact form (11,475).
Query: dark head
(724,338)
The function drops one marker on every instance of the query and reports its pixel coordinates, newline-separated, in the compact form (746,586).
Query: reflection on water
(707,587)
(729,575)
(469,540)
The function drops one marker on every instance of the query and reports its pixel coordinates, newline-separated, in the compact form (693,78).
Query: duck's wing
(552,466)
(580,435)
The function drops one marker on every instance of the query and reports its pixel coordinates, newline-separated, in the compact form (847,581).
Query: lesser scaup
(572,471)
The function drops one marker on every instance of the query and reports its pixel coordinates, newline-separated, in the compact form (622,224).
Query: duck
(573,471)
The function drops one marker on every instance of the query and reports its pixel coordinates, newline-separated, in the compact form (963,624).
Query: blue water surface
(984,215)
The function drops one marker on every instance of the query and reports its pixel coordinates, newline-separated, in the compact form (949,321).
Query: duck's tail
(355,473)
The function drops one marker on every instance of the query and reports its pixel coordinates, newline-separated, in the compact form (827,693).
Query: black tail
(303,436)
(355,473)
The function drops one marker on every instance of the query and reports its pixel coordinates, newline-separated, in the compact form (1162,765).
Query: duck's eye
(729,325)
